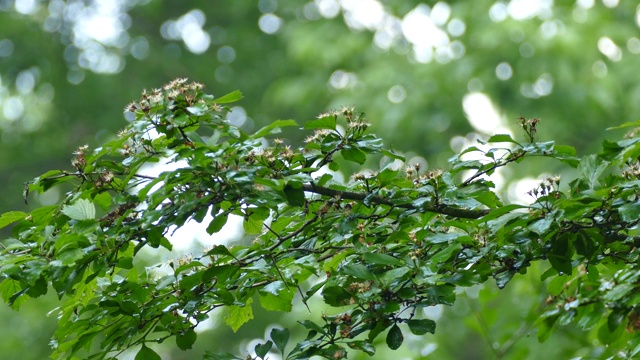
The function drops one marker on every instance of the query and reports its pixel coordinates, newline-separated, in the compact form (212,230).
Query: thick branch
(375,199)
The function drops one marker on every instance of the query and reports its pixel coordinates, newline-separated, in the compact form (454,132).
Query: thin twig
(293,234)
(495,166)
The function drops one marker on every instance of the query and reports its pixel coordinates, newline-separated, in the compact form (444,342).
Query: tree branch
(375,199)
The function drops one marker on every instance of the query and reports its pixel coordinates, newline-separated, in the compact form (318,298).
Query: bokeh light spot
(504,71)
(397,94)
(269,23)
(6,48)
(13,108)
(481,113)
(609,49)
(267,6)
(341,79)
(226,54)
(456,27)
(599,69)
(328,8)
(633,45)
(140,48)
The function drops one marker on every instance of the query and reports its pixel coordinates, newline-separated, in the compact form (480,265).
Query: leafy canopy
(378,247)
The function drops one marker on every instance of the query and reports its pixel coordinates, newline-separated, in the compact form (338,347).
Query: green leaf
(625,125)
(327,122)
(82,209)
(85,341)
(155,239)
(219,250)
(545,326)
(591,168)
(630,212)
(69,257)
(280,337)
(591,317)
(354,154)
(498,138)
(446,253)
(335,296)
(364,346)
(394,337)
(229,98)
(310,325)
(607,336)
(145,353)
(585,245)
(394,275)
(255,220)
(565,150)
(239,315)
(324,179)
(616,318)
(43,215)
(125,263)
(559,256)
(494,214)
(276,297)
(541,226)
(8,290)
(224,356)
(198,109)
(252,226)
(556,285)
(359,271)
(439,238)
(273,128)
(381,259)
(502,279)
(294,193)
(610,149)
(186,339)
(11,217)
(566,154)
(618,292)
(262,349)
(422,326)
(392,155)
(217,224)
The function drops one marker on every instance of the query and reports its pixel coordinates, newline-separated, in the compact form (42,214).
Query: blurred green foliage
(67,68)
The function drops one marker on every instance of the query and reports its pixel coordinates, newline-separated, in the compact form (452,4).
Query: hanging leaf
(394,337)
(186,339)
(239,315)
(422,326)
(217,224)
(280,337)
(276,297)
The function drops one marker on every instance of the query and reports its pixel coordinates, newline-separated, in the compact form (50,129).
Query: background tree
(567,64)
